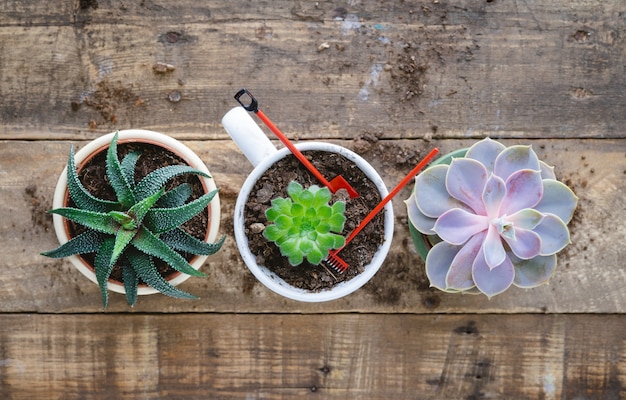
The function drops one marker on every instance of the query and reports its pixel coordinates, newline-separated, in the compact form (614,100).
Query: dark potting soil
(358,253)
(93,177)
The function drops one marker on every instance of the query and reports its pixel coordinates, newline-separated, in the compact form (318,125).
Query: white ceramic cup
(262,154)
(61,193)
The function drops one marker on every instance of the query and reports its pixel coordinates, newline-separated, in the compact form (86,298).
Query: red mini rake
(337,263)
(338,182)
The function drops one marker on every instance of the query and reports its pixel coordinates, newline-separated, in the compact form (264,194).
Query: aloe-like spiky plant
(144,224)
(305,225)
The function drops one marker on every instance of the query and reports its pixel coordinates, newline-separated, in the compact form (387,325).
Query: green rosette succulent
(305,226)
(144,224)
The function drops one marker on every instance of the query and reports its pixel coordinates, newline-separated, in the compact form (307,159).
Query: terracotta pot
(61,198)
(262,154)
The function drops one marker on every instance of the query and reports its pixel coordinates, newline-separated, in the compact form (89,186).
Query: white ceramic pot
(262,154)
(61,196)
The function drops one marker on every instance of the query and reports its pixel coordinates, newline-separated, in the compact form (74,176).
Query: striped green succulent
(144,224)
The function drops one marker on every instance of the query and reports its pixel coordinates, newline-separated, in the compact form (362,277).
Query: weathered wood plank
(373,76)
(470,68)
(335,357)
(590,277)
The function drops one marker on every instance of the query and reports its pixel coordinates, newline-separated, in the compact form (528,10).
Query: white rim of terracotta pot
(276,283)
(145,136)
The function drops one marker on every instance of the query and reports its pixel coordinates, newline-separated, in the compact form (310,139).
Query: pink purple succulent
(501,216)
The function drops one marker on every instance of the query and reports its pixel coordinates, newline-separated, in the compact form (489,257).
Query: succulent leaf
(432,197)
(117,178)
(155,180)
(547,171)
(557,199)
(524,189)
(493,248)
(80,195)
(526,244)
(146,242)
(438,263)
(486,151)
(515,158)
(131,283)
(273,233)
(122,239)
(322,197)
(100,222)
(103,267)
(534,272)
(128,164)
(180,240)
(465,181)
(459,276)
(305,226)
(144,267)
(339,241)
(456,226)
(420,221)
(492,281)
(553,233)
(314,255)
(338,207)
(86,242)
(175,197)
(165,219)
(493,195)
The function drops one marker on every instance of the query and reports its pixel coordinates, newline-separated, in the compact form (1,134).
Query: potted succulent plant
(305,226)
(285,223)
(150,225)
(489,217)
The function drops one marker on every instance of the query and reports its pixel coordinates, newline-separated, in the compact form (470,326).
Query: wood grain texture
(590,277)
(318,356)
(321,69)
(387,79)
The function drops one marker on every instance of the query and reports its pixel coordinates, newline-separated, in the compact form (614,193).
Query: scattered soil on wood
(38,207)
(87,4)
(408,74)
(273,183)
(111,100)
(93,177)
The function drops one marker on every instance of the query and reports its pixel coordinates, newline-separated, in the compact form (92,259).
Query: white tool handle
(251,140)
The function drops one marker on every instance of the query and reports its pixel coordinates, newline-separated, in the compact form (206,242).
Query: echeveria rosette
(305,226)
(501,216)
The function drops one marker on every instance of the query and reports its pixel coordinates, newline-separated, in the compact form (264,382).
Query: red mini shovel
(338,182)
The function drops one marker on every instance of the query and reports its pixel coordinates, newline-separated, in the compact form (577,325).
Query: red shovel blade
(339,182)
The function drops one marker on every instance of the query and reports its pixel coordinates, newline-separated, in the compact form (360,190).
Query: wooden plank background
(321,356)
(509,69)
(387,79)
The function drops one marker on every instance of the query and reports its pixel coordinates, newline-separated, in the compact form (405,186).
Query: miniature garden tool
(338,182)
(336,262)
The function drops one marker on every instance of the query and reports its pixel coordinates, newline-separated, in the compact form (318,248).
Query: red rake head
(335,262)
